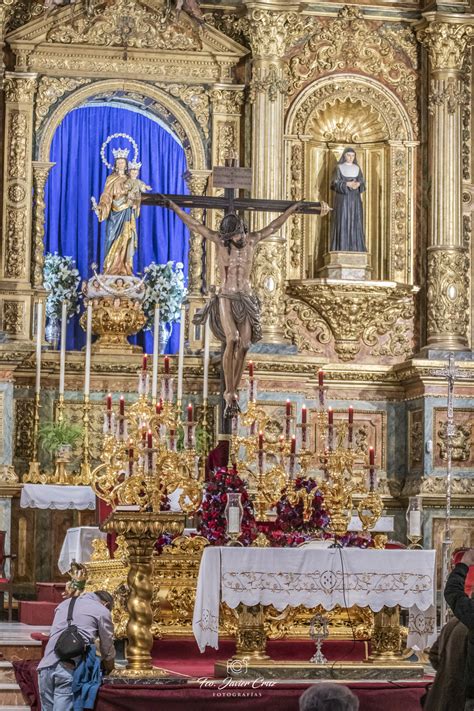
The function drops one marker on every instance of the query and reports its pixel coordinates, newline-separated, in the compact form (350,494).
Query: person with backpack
(77,623)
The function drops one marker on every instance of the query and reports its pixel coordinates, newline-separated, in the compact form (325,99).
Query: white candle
(62,356)
(156,351)
(414,524)
(207,338)
(39,340)
(234,520)
(87,377)
(181,353)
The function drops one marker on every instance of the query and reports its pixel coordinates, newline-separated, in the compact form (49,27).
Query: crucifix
(234,311)
(450,373)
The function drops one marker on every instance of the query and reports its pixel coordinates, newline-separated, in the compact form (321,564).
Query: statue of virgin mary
(347,228)
(116,207)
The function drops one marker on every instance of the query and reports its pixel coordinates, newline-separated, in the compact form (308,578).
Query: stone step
(11,695)
(17,651)
(7,675)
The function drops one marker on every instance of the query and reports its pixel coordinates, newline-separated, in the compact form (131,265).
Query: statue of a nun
(347,229)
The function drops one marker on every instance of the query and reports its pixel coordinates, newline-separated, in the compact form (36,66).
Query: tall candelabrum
(273,465)
(149,452)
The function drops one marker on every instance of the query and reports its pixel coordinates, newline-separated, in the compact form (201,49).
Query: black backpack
(70,643)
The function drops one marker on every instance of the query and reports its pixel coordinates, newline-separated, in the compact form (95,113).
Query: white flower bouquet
(61,279)
(164,285)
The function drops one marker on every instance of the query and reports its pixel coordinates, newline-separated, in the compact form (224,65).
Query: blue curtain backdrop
(72,228)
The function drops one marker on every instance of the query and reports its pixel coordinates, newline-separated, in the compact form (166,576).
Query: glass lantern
(233,515)
(414,518)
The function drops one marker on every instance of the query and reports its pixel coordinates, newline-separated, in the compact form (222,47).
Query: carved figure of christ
(234,312)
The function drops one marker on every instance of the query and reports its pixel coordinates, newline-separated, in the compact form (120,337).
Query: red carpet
(283,697)
(184,657)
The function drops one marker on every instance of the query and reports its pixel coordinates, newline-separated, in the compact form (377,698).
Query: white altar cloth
(50,496)
(309,577)
(77,545)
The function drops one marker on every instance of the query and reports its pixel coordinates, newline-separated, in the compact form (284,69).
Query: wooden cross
(231,178)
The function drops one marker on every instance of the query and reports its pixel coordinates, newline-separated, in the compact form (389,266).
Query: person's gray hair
(328,697)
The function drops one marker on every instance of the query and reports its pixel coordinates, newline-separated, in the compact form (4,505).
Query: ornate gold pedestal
(387,637)
(251,640)
(113,319)
(141,530)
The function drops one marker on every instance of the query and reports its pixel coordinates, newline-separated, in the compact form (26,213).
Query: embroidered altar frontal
(309,577)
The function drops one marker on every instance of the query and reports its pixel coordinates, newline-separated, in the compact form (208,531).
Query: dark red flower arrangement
(289,529)
(213,524)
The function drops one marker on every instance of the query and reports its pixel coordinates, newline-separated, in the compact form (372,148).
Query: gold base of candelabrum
(33,475)
(415,542)
(251,639)
(141,531)
(387,636)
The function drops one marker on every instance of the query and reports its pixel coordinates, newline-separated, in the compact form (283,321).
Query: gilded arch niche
(160,102)
(329,114)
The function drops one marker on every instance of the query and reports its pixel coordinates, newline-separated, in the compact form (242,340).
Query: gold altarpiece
(284,88)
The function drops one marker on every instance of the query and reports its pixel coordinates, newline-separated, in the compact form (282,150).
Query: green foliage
(54,435)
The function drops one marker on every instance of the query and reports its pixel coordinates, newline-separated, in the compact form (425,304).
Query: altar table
(52,496)
(77,545)
(304,576)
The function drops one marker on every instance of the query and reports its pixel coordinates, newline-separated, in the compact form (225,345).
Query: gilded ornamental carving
(448,286)
(19,89)
(50,90)
(227,101)
(446,43)
(126,23)
(15,246)
(17,142)
(450,93)
(357,315)
(350,42)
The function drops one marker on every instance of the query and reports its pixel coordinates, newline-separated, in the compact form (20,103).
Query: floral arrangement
(164,285)
(54,435)
(290,517)
(61,279)
(213,523)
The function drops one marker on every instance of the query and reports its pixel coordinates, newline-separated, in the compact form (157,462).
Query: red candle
(150,439)
(251,368)
(371,456)
(122,405)
(260,440)
(109,402)
(190,412)
(293,445)
(145,358)
(159,405)
(167,365)
(144,437)
(288,408)
(351,415)
(330,416)
(304,415)
(320,377)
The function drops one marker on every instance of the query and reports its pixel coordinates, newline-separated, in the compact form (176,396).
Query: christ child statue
(134,186)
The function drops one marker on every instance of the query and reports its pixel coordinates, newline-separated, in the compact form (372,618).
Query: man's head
(231,225)
(328,697)
(106,598)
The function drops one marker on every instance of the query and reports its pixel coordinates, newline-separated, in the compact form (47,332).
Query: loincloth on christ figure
(243,307)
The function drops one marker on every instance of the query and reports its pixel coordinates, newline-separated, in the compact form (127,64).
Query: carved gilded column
(446,38)
(271,32)
(196,180)
(40,176)
(17,204)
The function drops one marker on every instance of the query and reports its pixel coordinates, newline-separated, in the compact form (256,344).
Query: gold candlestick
(60,409)
(34,475)
(86,473)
